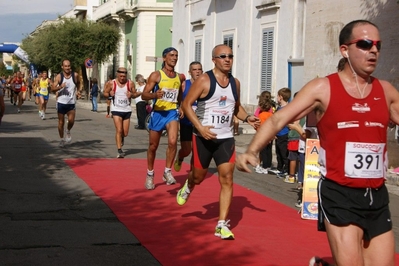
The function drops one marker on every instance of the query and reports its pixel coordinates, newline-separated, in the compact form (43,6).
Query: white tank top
(120,102)
(217,108)
(67,95)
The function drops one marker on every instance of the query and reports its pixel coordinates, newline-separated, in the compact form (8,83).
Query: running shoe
(149,182)
(298,204)
(68,137)
(274,171)
(62,144)
(121,154)
(282,175)
(260,170)
(182,195)
(289,179)
(177,165)
(43,116)
(18,111)
(223,231)
(168,178)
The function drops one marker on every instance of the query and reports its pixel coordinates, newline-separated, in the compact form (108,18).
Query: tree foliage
(71,39)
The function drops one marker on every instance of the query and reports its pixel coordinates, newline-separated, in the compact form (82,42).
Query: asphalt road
(49,216)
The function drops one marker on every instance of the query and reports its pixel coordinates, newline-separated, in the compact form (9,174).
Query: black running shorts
(366,208)
(124,115)
(221,150)
(186,132)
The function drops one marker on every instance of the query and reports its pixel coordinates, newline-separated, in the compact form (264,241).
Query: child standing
(265,112)
(283,96)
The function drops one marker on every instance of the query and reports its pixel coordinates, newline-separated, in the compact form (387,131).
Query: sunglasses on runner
(366,44)
(224,56)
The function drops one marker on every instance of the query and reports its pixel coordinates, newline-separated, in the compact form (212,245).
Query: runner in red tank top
(352,110)
(16,85)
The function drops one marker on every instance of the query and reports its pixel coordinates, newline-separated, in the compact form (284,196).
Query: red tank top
(353,135)
(18,84)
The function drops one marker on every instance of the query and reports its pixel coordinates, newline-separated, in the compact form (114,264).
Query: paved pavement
(49,216)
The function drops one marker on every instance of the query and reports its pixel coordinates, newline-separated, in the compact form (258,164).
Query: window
(267,59)
(228,40)
(197,52)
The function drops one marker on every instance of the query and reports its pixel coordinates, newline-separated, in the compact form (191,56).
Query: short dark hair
(285,93)
(345,35)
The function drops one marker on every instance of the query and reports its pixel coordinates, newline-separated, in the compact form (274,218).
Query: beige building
(325,19)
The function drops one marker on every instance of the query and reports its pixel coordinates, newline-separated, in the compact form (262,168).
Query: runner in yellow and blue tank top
(164,88)
(44,84)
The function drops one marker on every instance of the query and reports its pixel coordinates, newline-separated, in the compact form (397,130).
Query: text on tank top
(67,95)
(44,86)
(170,87)
(121,103)
(217,108)
(352,136)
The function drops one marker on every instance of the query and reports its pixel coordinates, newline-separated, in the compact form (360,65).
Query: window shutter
(197,52)
(267,59)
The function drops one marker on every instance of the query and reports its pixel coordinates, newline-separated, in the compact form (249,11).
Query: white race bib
(364,160)
(121,101)
(170,95)
(219,118)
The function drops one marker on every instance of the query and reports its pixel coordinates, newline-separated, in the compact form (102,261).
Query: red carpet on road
(267,232)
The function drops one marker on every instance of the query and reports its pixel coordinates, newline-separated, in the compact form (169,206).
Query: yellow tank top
(43,87)
(170,87)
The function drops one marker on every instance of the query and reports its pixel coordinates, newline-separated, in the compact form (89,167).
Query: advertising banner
(311,179)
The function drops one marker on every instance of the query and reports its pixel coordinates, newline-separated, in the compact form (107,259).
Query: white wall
(326,18)
(242,19)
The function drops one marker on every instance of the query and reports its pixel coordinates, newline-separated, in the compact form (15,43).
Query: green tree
(3,69)
(72,39)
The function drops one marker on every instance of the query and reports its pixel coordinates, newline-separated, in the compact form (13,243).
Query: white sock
(167,169)
(150,172)
(221,222)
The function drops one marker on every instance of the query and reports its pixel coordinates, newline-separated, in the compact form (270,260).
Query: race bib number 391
(364,160)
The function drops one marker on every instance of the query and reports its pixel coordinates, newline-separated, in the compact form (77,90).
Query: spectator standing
(283,96)
(94,94)
(265,112)
(141,110)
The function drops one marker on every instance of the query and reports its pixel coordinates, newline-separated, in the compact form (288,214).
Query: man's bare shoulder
(154,77)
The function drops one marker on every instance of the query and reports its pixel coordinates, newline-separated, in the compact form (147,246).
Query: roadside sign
(89,63)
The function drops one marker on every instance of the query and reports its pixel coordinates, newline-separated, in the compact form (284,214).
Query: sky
(20,17)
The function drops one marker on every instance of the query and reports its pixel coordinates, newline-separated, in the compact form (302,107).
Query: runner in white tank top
(217,94)
(122,91)
(67,85)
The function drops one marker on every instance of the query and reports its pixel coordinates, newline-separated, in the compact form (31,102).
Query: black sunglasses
(366,44)
(224,56)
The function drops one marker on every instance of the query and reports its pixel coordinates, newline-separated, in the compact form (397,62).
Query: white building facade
(267,38)
(145,27)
